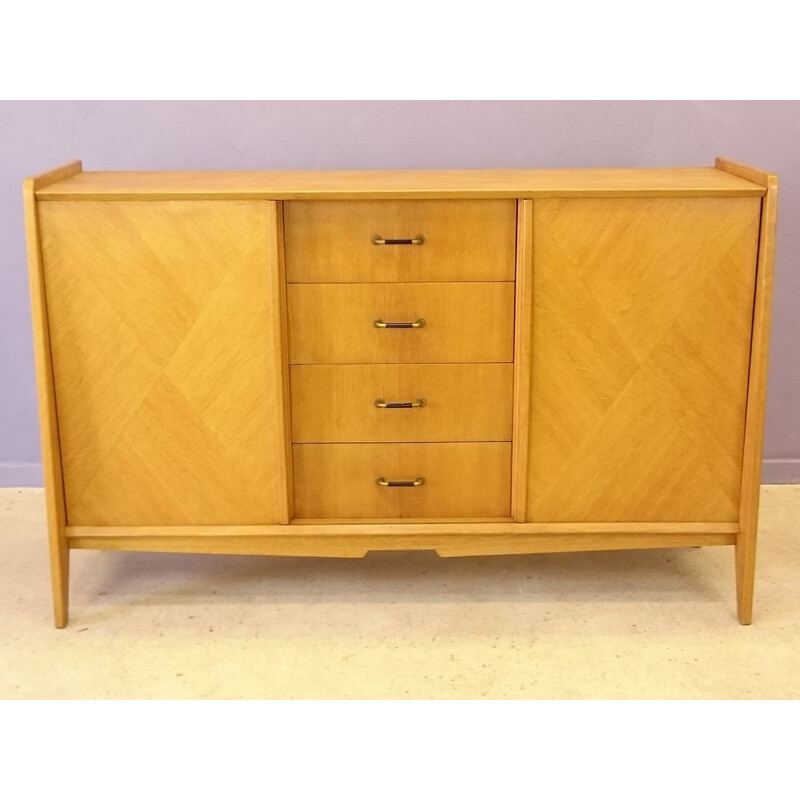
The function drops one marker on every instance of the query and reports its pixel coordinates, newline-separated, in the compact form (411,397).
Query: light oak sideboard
(470,362)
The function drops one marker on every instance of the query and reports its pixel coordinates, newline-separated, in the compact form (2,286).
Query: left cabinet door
(165,326)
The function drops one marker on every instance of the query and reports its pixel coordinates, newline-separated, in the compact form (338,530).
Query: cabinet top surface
(401,184)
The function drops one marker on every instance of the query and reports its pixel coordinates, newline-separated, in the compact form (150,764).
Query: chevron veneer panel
(166,363)
(642,319)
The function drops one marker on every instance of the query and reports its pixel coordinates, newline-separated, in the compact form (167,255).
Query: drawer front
(359,403)
(456,322)
(340,481)
(425,240)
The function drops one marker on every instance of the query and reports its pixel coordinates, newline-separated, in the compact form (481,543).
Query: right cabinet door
(642,315)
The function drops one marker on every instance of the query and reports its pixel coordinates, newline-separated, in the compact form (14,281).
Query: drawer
(449,402)
(340,481)
(425,240)
(334,323)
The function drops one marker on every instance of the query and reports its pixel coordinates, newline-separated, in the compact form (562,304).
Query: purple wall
(36,136)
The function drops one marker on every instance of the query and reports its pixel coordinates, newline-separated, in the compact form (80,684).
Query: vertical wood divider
(523,352)
(283,354)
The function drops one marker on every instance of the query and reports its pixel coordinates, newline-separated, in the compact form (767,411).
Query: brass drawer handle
(380,240)
(420,403)
(401,484)
(379,323)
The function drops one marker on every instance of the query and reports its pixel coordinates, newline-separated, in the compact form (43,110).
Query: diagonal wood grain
(641,335)
(168,378)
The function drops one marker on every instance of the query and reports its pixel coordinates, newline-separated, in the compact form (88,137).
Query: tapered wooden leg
(756,387)
(745,575)
(48,419)
(59,573)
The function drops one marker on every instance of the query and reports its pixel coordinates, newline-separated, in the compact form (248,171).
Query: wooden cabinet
(471,362)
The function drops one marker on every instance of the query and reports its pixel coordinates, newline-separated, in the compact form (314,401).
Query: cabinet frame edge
(345,541)
(756,386)
(55,504)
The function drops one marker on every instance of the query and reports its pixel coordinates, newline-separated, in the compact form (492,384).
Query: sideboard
(473,362)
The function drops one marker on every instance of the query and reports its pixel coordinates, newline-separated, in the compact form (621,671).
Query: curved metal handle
(401,484)
(379,323)
(420,403)
(415,240)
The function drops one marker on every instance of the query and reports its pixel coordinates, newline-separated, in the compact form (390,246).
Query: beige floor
(641,624)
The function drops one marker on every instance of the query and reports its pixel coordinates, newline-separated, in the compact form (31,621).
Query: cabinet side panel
(165,326)
(641,329)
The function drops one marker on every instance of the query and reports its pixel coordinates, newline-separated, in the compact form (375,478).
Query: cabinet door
(642,316)
(165,333)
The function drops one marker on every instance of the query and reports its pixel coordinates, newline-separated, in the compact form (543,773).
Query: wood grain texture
(333,481)
(757,389)
(464,322)
(463,402)
(165,327)
(48,418)
(523,356)
(403,184)
(464,240)
(358,545)
(410,527)
(641,332)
